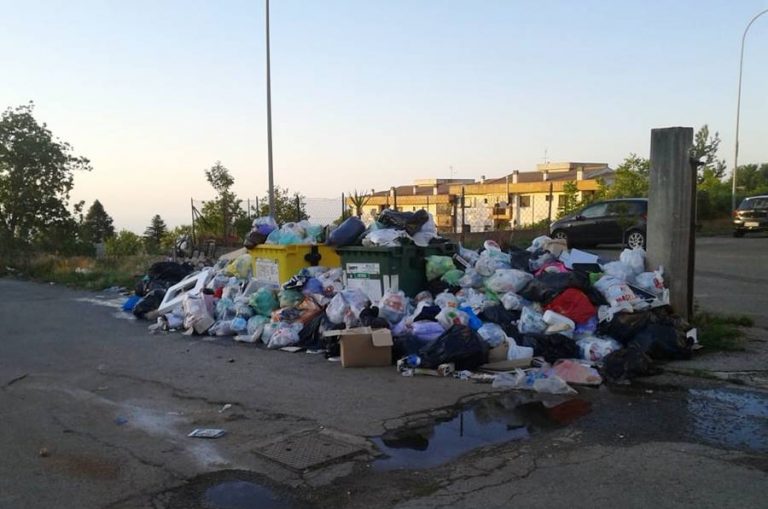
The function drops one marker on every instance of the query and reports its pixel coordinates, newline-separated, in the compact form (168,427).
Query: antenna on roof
(451,168)
(546,159)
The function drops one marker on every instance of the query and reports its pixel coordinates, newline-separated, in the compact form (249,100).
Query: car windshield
(595,210)
(754,203)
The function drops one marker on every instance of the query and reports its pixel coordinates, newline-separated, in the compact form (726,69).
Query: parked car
(620,221)
(751,215)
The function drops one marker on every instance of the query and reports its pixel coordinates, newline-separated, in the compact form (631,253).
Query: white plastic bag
(533,380)
(492,333)
(516,352)
(512,301)
(634,258)
(471,279)
(427,232)
(446,299)
(285,335)
(539,243)
(393,305)
(194,309)
(337,309)
(651,281)
(448,317)
(617,293)
(558,324)
(593,349)
(507,280)
(387,237)
(531,321)
(491,260)
(619,270)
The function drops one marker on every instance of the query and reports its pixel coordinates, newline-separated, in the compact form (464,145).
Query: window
(562,200)
(598,210)
(625,208)
(525,201)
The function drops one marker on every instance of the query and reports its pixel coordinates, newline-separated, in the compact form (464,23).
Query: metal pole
(269,126)
(462,214)
(549,212)
(738,110)
(343,209)
(192,209)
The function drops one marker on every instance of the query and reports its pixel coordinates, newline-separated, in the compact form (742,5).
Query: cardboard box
(364,347)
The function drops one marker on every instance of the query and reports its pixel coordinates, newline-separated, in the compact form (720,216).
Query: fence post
(549,212)
(298,208)
(462,214)
(192,209)
(343,208)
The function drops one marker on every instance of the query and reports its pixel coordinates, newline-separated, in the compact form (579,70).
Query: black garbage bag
(520,258)
(551,346)
(460,345)
(438,286)
(403,346)
(253,239)
(548,285)
(369,317)
(627,363)
(663,342)
(347,232)
(310,336)
(428,313)
(623,327)
(149,302)
(499,315)
(411,222)
(170,272)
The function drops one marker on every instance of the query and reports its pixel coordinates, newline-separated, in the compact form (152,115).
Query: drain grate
(307,450)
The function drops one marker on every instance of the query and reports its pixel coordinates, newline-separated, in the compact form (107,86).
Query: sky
(371,93)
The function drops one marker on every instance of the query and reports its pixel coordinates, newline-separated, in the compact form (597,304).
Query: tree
(359,200)
(705,149)
(125,243)
(218,216)
(288,208)
(168,242)
(629,181)
(97,226)
(36,177)
(570,200)
(154,233)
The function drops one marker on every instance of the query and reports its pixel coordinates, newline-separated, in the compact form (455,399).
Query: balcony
(502,212)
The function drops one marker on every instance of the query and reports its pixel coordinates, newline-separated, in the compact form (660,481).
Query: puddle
(242,495)
(480,423)
(730,418)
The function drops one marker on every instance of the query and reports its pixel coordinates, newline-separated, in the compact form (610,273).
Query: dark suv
(605,222)
(751,215)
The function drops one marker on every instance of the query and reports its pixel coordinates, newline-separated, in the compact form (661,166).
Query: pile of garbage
(391,228)
(538,319)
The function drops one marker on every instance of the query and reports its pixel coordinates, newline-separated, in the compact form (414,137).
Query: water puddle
(729,418)
(480,423)
(242,495)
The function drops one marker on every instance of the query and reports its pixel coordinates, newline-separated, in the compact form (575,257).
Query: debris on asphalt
(207,433)
(395,292)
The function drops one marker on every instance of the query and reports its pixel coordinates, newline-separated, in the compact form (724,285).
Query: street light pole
(269,126)
(738,109)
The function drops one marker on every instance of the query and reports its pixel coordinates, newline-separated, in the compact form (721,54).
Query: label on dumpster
(267,271)
(365,277)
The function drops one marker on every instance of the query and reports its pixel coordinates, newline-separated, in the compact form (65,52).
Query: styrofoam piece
(175,294)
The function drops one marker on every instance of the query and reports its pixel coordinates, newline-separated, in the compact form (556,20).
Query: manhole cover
(307,450)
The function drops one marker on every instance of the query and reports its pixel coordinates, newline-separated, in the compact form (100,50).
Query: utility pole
(269,126)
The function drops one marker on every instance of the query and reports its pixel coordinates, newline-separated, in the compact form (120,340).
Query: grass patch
(85,272)
(721,331)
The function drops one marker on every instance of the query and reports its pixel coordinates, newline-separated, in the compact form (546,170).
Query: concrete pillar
(671,202)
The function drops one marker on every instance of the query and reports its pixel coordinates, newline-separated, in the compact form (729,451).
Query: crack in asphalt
(14,380)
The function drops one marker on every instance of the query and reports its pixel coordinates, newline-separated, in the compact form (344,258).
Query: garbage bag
(539,243)
(311,335)
(574,304)
(558,324)
(548,285)
(663,342)
(150,302)
(446,299)
(284,335)
(490,261)
(129,304)
(471,279)
(652,282)
(427,233)
(619,270)
(624,326)
(473,321)
(290,298)
(469,255)
(512,301)
(634,259)
(449,317)
(255,325)
(264,225)
(337,309)
(438,265)
(500,316)
(532,380)
(406,345)
(254,238)
(531,321)
(241,267)
(459,345)
(347,233)
(222,328)
(492,334)
(385,237)
(594,349)
(550,346)
(574,372)
(426,330)
(627,363)
(411,222)
(263,301)
(519,258)
(428,312)
(369,317)
(452,277)
(225,309)
(507,280)
(393,306)
(618,294)
(194,309)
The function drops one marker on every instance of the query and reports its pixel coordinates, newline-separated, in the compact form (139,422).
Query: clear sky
(370,93)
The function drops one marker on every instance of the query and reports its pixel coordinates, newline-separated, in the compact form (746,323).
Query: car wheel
(635,239)
(738,233)
(560,235)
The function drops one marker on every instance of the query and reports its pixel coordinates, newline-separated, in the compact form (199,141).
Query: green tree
(570,200)
(358,201)
(125,243)
(36,177)
(219,216)
(288,207)
(154,233)
(97,226)
(168,242)
(705,147)
(629,181)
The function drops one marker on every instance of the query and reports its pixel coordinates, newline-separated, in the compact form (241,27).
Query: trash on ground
(207,433)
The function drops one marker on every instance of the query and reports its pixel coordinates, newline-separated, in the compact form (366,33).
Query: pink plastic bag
(574,372)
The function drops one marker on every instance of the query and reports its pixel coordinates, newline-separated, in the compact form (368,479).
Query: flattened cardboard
(363,347)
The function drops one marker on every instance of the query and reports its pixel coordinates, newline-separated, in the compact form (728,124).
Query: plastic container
(275,264)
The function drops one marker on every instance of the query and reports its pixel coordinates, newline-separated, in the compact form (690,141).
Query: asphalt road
(95,413)
(731,275)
